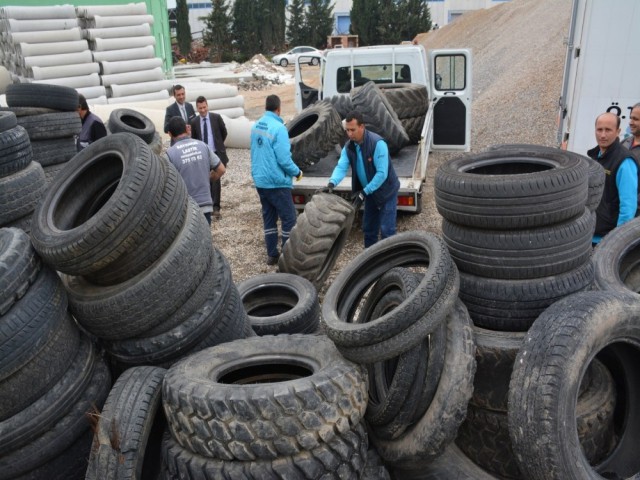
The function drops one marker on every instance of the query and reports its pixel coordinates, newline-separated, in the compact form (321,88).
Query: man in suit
(209,128)
(180,108)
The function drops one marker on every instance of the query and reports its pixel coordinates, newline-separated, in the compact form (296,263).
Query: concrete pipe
(118,32)
(91,80)
(139,88)
(41,24)
(209,90)
(55,48)
(234,112)
(100,21)
(93,92)
(238,131)
(46,36)
(227,102)
(58,59)
(5,79)
(139,98)
(35,13)
(124,55)
(102,44)
(62,71)
(107,68)
(101,100)
(132,77)
(112,10)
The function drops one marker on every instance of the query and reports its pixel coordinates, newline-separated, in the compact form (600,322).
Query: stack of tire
(131,121)
(52,376)
(22,181)
(415,337)
(49,114)
(140,269)
(518,223)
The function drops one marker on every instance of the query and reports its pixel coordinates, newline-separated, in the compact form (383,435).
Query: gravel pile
(518,58)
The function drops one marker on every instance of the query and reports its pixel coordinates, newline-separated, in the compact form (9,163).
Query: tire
(131,121)
(288,412)
(379,116)
(7,121)
(131,308)
(439,285)
(284,63)
(97,208)
(128,435)
(616,260)
(509,189)
(513,305)
(342,103)
(48,126)
(280,303)
(317,239)
(27,111)
(20,192)
(19,266)
(50,173)
(427,439)
(314,132)
(413,126)
(156,144)
(407,99)
(546,377)
(338,458)
(315,62)
(54,151)
(15,151)
(56,97)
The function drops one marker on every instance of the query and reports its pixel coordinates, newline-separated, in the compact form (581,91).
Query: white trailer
(602,73)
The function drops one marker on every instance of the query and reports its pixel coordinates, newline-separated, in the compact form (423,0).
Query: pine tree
(217,32)
(365,20)
(246,28)
(318,22)
(296,29)
(272,24)
(183,30)
(415,18)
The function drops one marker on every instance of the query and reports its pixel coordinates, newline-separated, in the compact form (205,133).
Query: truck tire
(404,249)
(314,132)
(19,266)
(42,95)
(546,378)
(48,126)
(15,151)
(413,126)
(379,116)
(337,458)
(427,439)
(131,121)
(407,99)
(342,103)
(131,308)
(617,260)
(308,396)
(99,208)
(280,303)
(513,305)
(128,435)
(20,192)
(508,189)
(317,239)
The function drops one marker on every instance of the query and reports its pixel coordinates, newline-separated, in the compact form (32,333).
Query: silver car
(312,54)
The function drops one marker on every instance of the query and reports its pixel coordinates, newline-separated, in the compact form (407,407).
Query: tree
(272,24)
(246,28)
(183,30)
(217,32)
(296,32)
(415,18)
(365,20)
(318,22)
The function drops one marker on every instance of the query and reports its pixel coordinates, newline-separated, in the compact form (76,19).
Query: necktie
(205,132)
(183,111)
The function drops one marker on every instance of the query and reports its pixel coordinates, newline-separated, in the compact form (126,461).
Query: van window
(383,73)
(450,72)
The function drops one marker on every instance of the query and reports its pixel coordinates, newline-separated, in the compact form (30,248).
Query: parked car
(284,59)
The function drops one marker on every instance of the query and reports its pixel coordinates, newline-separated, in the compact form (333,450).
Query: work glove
(357,199)
(299,177)
(327,189)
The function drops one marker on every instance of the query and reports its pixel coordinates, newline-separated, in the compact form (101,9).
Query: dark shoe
(272,260)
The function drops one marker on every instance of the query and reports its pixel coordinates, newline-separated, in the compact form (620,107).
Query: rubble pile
(265,74)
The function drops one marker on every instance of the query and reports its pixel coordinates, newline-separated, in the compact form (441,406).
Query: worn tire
(546,378)
(127,439)
(42,95)
(49,126)
(15,150)
(314,132)
(379,116)
(509,189)
(342,103)
(280,303)
(8,120)
(307,397)
(617,260)
(19,266)
(317,239)
(53,151)
(407,99)
(97,208)
(131,121)
(21,192)
(413,126)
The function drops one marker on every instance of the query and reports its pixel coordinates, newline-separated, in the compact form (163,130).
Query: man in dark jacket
(373,179)
(92,127)
(209,128)
(179,108)
(632,142)
(620,195)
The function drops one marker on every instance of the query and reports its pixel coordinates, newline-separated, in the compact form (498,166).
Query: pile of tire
(394,308)
(22,181)
(49,115)
(139,266)
(51,373)
(131,121)
(518,222)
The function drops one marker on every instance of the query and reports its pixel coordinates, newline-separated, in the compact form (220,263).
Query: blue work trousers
(276,203)
(379,223)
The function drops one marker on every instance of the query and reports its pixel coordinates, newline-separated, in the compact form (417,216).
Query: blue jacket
(271,162)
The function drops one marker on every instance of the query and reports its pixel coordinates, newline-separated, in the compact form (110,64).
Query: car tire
(284,63)
(617,260)
(19,266)
(21,192)
(132,121)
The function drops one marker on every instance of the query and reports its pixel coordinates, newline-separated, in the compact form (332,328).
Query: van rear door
(450,79)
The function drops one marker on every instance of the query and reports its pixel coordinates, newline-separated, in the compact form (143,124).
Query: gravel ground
(518,58)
